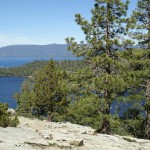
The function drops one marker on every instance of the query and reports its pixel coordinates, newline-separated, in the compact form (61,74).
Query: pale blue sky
(42,21)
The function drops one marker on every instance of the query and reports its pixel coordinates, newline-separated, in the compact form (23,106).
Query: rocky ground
(33,134)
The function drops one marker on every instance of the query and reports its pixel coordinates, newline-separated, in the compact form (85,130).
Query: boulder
(12,111)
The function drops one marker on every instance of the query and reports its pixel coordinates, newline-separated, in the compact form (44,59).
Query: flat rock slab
(34,134)
(21,139)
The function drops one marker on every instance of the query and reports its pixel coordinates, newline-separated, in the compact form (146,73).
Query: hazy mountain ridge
(39,51)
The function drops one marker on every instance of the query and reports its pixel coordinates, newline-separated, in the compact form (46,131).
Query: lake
(9,86)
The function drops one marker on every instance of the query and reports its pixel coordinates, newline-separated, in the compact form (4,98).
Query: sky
(43,21)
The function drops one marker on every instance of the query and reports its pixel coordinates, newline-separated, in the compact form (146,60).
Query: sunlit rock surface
(33,134)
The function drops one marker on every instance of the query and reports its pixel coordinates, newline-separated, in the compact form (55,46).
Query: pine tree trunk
(147,130)
(105,128)
(50,116)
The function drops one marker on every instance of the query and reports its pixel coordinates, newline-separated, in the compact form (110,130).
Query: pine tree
(139,23)
(25,98)
(49,91)
(104,37)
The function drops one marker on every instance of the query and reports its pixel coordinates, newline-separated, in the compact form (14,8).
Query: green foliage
(103,31)
(85,112)
(25,99)
(138,61)
(115,72)
(24,70)
(133,122)
(49,93)
(118,126)
(29,68)
(44,93)
(5,117)
(140,21)
(134,127)
(14,121)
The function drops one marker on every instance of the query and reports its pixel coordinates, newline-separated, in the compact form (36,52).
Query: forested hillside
(30,68)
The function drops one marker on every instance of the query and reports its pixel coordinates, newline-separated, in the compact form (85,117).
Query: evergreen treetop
(49,91)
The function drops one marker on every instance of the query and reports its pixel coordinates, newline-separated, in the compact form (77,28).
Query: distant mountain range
(36,51)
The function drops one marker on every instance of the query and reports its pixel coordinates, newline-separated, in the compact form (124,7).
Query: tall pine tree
(139,25)
(104,36)
(49,91)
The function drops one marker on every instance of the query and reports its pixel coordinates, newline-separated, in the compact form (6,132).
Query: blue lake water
(9,86)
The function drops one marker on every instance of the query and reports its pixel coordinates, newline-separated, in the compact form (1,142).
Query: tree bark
(147,129)
(105,128)
(50,116)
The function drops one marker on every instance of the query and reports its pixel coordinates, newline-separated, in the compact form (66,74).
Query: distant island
(36,51)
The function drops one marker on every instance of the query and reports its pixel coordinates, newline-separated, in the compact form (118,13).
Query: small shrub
(14,122)
(5,117)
